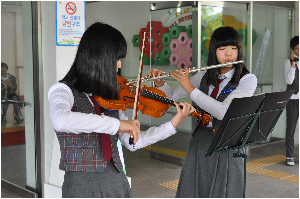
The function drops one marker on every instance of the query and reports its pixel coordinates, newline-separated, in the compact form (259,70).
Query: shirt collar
(227,75)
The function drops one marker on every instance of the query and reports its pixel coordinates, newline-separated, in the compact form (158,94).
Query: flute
(191,70)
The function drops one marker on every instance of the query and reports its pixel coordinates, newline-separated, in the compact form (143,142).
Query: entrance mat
(12,138)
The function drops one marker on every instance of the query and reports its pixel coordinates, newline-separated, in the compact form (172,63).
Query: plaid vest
(295,85)
(204,87)
(83,151)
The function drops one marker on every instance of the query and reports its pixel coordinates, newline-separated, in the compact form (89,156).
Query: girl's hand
(186,110)
(182,76)
(293,63)
(155,73)
(132,127)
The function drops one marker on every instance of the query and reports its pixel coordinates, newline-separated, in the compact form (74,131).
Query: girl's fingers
(137,133)
(185,108)
(192,109)
(152,72)
(177,107)
(188,108)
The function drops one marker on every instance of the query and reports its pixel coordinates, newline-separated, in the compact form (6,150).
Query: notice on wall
(70,22)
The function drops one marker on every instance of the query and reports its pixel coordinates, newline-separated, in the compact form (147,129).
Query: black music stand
(242,123)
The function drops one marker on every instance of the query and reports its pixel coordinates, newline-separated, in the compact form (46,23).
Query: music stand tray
(247,121)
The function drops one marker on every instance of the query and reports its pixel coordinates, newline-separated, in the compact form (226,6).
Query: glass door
(18,149)
(271,38)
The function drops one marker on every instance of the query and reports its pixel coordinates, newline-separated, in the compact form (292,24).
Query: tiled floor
(152,178)
(7,194)
(267,174)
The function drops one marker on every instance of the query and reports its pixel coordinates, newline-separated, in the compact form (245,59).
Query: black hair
(225,36)
(95,66)
(4,65)
(294,42)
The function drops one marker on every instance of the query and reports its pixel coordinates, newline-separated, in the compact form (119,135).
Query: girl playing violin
(88,133)
(212,90)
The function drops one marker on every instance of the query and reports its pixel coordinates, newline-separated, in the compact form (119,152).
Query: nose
(228,52)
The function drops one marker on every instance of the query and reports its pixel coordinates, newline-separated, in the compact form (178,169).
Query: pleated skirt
(217,176)
(108,184)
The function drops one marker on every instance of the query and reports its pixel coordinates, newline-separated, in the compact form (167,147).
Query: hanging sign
(70,22)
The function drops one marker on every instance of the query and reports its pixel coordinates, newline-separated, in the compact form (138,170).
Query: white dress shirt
(290,75)
(61,101)
(246,88)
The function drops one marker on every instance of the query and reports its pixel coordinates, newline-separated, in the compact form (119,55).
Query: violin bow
(138,87)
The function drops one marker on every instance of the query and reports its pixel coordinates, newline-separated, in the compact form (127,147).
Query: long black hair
(225,36)
(94,69)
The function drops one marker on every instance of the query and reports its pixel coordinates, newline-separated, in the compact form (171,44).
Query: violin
(152,101)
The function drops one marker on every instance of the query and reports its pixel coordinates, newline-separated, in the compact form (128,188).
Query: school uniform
(292,107)
(218,175)
(78,129)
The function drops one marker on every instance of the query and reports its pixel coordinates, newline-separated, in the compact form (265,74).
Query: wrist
(190,89)
(176,120)
(159,84)
(174,123)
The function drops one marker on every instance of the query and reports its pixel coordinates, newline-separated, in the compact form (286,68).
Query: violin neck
(149,94)
(165,100)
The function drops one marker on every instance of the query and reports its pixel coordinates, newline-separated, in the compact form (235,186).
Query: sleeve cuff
(115,127)
(170,128)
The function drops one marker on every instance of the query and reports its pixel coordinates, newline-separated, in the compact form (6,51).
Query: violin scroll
(205,118)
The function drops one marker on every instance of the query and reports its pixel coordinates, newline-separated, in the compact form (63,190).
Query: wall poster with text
(70,22)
